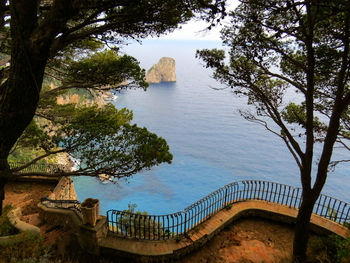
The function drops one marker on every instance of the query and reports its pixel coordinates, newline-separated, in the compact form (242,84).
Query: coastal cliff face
(163,71)
(99,98)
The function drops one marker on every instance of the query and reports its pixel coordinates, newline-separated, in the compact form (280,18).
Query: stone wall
(84,237)
(64,190)
(67,216)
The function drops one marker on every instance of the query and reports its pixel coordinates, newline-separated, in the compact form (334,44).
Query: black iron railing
(159,227)
(73,205)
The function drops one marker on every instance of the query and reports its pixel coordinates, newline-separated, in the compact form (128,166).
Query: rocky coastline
(100,99)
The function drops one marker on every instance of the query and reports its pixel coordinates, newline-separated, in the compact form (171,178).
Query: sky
(196,30)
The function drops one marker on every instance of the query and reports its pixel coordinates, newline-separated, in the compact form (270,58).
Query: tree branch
(36,160)
(344,144)
(252,118)
(295,84)
(340,105)
(274,114)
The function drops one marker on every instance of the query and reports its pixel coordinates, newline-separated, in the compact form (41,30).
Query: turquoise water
(211,143)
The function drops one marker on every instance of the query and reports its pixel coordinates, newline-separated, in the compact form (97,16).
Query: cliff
(163,71)
(85,98)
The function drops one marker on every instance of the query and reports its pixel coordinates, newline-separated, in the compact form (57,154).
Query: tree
(36,32)
(291,60)
(99,136)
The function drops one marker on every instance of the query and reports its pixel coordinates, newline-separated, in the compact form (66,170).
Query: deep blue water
(211,143)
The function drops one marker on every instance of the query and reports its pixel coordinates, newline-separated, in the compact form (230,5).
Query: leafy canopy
(291,59)
(99,136)
(292,68)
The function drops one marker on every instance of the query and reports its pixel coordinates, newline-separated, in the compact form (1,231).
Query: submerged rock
(163,71)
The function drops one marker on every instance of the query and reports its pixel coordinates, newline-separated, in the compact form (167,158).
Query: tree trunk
(19,95)
(4,175)
(301,235)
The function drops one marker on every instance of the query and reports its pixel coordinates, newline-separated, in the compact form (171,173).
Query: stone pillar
(89,237)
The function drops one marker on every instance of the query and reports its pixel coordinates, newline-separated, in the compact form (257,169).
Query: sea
(212,144)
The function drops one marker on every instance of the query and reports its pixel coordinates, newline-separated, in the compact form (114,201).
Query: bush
(25,247)
(139,224)
(6,228)
(329,249)
(229,206)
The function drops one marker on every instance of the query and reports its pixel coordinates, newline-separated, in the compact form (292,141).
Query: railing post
(185,222)
(157,228)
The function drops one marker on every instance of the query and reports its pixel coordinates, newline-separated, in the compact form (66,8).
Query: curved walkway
(148,238)
(113,244)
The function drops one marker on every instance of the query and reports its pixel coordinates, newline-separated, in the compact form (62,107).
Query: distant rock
(163,71)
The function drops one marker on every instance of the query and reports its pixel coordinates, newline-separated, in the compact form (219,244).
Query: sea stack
(163,71)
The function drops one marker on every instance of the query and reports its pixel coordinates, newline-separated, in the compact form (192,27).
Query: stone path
(207,229)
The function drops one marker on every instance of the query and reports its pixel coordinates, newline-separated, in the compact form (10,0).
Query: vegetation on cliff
(99,136)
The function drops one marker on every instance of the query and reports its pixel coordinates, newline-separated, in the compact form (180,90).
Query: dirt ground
(26,195)
(245,241)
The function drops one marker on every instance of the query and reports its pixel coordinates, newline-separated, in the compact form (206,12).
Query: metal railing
(160,227)
(73,205)
(39,167)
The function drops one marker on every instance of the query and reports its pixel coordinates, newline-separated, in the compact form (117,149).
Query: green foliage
(294,113)
(33,136)
(328,249)
(84,94)
(25,152)
(196,229)
(264,37)
(101,138)
(105,68)
(104,142)
(347,225)
(290,59)
(228,207)
(23,155)
(6,228)
(139,223)
(332,213)
(178,238)
(69,47)
(73,55)
(24,248)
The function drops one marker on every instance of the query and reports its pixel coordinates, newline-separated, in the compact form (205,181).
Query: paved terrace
(207,229)
(127,234)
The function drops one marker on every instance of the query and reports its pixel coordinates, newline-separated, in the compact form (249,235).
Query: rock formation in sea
(163,71)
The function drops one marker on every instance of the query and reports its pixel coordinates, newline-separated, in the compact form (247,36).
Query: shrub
(228,207)
(6,228)
(329,249)
(139,224)
(178,238)
(25,247)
